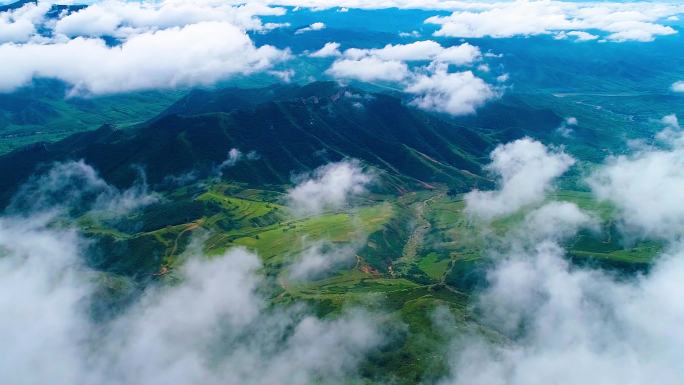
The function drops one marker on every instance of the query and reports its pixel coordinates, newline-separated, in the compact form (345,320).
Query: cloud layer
(211,328)
(427,50)
(115,46)
(211,323)
(201,53)
(564,324)
(575,326)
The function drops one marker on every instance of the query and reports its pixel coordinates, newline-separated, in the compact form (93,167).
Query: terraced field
(418,252)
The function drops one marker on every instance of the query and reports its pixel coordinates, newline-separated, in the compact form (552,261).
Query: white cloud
(575,326)
(210,327)
(678,86)
(163,44)
(459,54)
(632,30)
(526,170)
(555,221)
(578,35)
(271,26)
(19,25)
(570,325)
(369,69)
(328,187)
(620,21)
(317,26)
(436,89)
(671,122)
(124,18)
(426,50)
(197,54)
(413,33)
(647,186)
(284,76)
(458,93)
(565,129)
(330,49)
(321,258)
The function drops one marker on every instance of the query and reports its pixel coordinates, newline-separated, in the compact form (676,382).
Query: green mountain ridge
(297,131)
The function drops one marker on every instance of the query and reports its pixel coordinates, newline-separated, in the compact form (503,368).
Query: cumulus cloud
(575,326)
(330,49)
(502,78)
(123,18)
(328,187)
(413,33)
(456,93)
(201,53)
(388,63)
(212,326)
(369,69)
(165,44)
(285,76)
(317,26)
(619,21)
(436,88)
(427,50)
(19,25)
(678,86)
(671,133)
(526,170)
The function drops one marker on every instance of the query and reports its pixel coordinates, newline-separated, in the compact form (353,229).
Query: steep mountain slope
(42,112)
(314,125)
